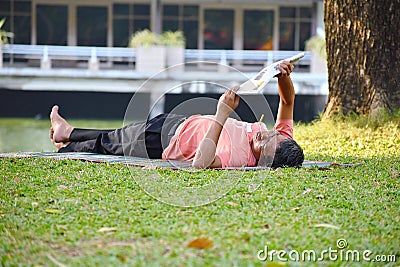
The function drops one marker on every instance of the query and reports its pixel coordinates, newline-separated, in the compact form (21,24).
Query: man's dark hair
(288,154)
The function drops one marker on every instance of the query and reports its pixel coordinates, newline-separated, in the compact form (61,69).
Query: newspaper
(256,84)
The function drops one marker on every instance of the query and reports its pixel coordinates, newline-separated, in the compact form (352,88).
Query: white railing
(70,52)
(264,57)
(93,55)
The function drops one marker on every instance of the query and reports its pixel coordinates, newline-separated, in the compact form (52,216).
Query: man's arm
(205,155)
(286,91)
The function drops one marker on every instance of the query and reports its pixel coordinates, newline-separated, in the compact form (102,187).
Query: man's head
(275,150)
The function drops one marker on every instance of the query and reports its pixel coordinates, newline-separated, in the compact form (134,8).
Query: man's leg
(79,135)
(61,131)
(69,139)
(130,139)
(142,139)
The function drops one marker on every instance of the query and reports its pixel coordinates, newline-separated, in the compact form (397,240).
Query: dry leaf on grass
(62,187)
(200,243)
(296,209)
(267,226)
(394,173)
(326,225)
(107,229)
(308,190)
(377,183)
(232,203)
(53,211)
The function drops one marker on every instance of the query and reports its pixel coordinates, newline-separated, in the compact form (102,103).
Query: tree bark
(362,43)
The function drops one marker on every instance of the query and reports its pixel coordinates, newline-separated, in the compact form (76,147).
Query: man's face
(264,144)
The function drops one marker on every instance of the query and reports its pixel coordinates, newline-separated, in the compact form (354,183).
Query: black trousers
(145,139)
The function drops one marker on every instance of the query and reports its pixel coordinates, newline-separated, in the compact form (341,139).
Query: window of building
(127,19)
(92,25)
(18,20)
(294,27)
(52,24)
(184,18)
(218,29)
(258,29)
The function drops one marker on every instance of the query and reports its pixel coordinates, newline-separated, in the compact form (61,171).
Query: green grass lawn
(72,213)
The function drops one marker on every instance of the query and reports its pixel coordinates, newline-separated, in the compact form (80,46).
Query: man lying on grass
(209,141)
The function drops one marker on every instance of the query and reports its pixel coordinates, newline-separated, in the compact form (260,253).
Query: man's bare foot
(60,129)
(60,145)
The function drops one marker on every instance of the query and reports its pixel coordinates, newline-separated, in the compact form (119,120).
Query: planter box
(318,65)
(151,59)
(175,59)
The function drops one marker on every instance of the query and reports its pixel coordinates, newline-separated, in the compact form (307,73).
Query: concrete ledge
(74,104)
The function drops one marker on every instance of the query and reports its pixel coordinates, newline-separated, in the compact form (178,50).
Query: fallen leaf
(246,238)
(166,251)
(200,243)
(320,197)
(62,187)
(296,209)
(267,226)
(326,225)
(308,190)
(190,254)
(53,211)
(107,229)
(232,203)
(351,188)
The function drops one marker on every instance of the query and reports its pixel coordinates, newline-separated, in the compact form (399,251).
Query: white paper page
(258,82)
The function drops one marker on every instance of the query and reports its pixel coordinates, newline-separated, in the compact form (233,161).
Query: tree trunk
(362,43)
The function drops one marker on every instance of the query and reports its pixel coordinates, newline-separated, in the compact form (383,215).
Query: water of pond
(32,135)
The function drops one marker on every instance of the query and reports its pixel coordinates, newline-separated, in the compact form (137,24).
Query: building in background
(226,24)
(99,76)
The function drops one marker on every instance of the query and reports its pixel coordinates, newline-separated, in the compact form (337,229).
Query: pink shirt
(234,144)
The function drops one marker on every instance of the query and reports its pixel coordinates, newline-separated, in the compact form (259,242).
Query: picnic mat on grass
(142,162)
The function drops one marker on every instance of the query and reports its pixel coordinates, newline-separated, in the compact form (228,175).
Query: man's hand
(228,102)
(285,67)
